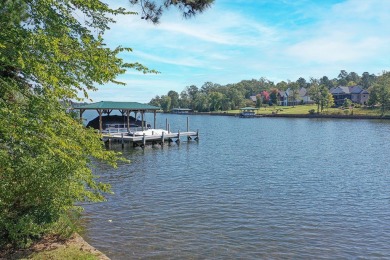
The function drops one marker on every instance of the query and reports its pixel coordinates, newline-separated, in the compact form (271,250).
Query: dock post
(197,135)
(169,130)
(162,139)
(188,124)
(144,140)
(166,124)
(178,137)
(123,141)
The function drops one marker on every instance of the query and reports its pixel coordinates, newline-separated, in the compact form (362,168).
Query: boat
(149,132)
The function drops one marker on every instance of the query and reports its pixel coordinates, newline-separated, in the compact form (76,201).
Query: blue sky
(236,40)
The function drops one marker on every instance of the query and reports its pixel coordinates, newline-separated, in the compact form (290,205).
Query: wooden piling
(178,137)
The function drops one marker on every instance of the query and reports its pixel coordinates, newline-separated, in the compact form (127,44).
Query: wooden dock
(155,139)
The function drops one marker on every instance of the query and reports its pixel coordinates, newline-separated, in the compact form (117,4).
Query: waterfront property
(355,93)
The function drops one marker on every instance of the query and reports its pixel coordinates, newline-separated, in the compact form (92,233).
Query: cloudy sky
(236,40)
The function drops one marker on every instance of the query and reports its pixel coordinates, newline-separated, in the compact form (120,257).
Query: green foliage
(347,103)
(152,10)
(174,99)
(165,103)
(320,95)
(47,55)
(380,93)
(312,111)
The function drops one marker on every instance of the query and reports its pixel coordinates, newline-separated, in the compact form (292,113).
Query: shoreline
(51,243)
(292,115)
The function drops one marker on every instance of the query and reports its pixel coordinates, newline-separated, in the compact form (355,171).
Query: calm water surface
(250,189)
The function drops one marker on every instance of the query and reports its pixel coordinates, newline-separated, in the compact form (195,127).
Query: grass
(304,110)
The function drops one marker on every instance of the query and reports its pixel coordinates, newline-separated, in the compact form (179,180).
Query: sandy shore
(51,243)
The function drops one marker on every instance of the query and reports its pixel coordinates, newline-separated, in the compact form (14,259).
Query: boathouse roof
(248,108)
(117,106)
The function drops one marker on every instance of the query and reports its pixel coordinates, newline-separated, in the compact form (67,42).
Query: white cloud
(226,45)
(350,32)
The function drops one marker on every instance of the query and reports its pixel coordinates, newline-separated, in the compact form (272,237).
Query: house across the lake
(355,93)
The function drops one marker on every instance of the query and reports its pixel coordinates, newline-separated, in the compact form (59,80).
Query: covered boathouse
(126,108)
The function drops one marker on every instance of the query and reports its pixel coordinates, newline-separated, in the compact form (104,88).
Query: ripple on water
(261,188)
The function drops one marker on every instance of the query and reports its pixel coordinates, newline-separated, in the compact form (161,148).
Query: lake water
(271,188)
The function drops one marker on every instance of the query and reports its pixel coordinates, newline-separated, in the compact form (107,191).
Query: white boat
(149,132)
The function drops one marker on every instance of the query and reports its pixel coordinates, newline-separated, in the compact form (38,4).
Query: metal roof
(248,108)
(117,106)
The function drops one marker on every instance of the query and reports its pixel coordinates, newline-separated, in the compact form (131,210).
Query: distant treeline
(215,97)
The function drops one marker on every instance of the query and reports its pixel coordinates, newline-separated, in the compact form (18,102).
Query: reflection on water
(250,189)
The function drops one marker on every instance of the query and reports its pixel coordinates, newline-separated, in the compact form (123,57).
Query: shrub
(312,111)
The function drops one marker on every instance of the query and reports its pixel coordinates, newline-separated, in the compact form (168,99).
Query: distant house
(355,93)
(305,96)
(282,98)
(302,97)
(253,98)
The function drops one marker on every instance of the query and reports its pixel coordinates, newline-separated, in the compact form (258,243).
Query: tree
(367,80)
(380,92)
(156,101)
(326,98)
(347,103)
(293,92)
(201,102)
(184,101)
(192,92)
(216,100)
(329,101)
(282,85)
(315,93)
(301,83)
(165,103)
(152,10)
(236,97)
(353,77)
(47,55)
(273,96)
(174,99)
(259,100)
(209,87)
(342,78)
(325,81)
(266,96)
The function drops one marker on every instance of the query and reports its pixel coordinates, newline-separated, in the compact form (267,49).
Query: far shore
(293,115)
(305,111)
